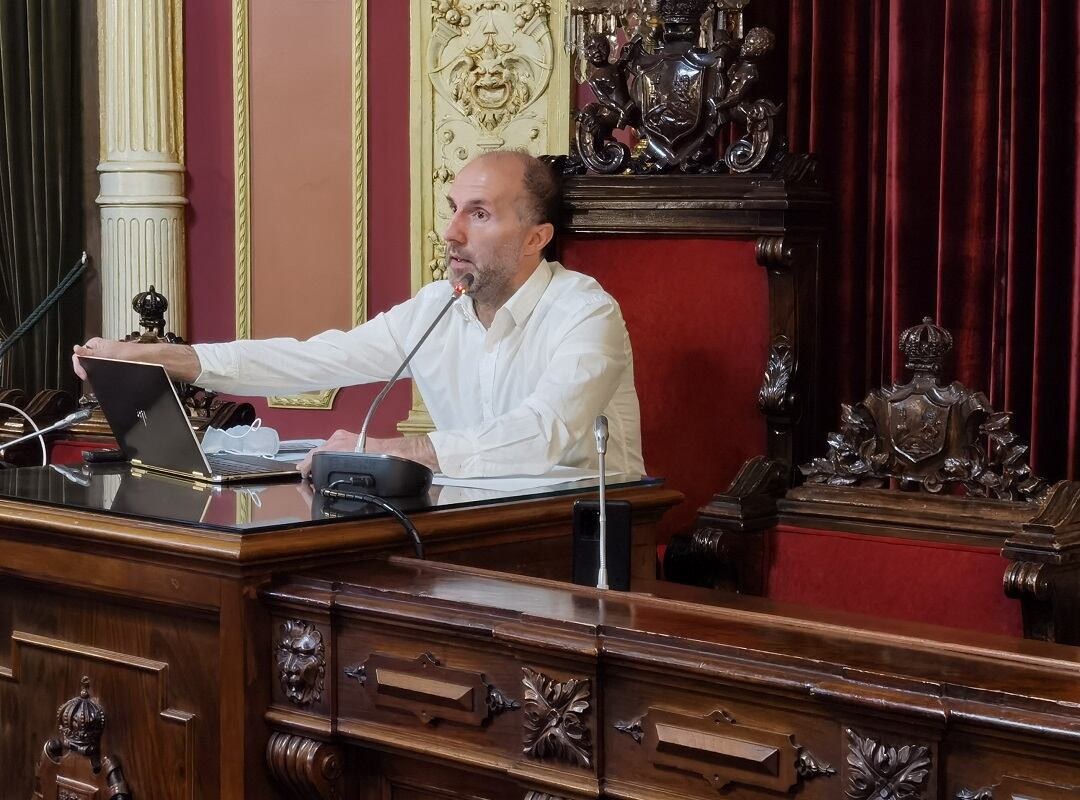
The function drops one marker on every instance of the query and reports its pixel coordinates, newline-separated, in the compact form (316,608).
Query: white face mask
(248,440)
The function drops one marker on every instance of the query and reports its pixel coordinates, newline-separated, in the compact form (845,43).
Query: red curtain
(947,132)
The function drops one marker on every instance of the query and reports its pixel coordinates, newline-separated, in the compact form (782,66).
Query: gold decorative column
(485,76)
(140,78)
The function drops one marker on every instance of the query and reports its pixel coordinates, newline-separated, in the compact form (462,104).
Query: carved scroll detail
(305,767)
(1028,579)
(554,718)
(986,793)
(73,767)
(773,398)
(810,766)
(301,661)
(885,773)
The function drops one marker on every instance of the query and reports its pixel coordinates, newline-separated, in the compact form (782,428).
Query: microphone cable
(337,494)
(37,430)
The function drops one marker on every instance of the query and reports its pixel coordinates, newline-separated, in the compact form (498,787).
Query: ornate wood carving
(885,773)
(301,661)
(306,767)
(927,435)
(726,549)
(542,796)
(774,397)
(718,748)
(73,767)
(810,766)
(634,729)
(554,718)
(422,686)
(676,95)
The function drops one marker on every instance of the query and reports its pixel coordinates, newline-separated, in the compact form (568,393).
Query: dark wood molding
(746,695)
(736,206)
(306,767)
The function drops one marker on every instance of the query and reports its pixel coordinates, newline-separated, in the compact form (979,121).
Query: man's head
(502,207)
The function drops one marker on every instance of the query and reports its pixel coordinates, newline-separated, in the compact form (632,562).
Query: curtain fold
(947,132)
(40,199)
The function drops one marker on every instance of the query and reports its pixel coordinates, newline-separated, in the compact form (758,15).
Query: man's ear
(538,238)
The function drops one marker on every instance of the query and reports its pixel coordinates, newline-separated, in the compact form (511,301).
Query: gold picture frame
(242,143)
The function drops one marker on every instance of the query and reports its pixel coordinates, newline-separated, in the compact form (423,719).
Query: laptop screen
(145,414)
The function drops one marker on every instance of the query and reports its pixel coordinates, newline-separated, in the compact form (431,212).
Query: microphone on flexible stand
(74,418)
(377,473)
(600,431)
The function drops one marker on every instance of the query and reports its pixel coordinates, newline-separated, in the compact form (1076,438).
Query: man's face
(486,235)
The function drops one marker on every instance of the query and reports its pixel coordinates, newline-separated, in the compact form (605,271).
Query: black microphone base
(376,473)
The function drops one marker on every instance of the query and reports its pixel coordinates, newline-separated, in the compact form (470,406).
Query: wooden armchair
(923,508)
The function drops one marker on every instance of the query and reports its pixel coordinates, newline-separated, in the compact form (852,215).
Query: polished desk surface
(676,616)
(121,491)
(258,522)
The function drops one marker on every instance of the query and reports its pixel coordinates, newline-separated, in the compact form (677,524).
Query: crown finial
(81,722)
(925,346)
(682,12)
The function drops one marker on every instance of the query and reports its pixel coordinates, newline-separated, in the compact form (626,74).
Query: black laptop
(152,428)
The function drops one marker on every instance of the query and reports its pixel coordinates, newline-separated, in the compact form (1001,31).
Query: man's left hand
(414,448)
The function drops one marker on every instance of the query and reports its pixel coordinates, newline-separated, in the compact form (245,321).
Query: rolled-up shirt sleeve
(581,377)
(370,352)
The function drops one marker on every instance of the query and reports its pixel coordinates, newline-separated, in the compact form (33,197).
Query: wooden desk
(412,680)
(164,615)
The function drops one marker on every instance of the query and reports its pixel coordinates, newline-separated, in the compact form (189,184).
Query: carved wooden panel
(134,690)
(555,725)
(717,748)
(883,771)
(422,686)
(485,76)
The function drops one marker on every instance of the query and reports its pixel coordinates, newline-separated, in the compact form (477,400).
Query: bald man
(513,377)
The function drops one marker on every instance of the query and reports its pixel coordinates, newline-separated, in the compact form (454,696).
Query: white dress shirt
(517,398)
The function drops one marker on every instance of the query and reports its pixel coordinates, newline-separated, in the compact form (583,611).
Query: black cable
(43,307)
(406,523)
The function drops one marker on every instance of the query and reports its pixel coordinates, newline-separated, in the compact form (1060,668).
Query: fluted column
(140,53)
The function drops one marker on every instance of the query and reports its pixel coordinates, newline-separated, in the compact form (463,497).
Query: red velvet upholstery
(697,312)
(944,584)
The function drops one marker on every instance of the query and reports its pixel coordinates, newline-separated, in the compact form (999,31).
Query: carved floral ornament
(879,772)
(927,435)
(555,718)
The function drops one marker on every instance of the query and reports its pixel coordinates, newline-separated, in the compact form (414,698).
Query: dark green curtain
(40,192)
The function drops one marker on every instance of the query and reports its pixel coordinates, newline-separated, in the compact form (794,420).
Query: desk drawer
(668,742)
(478,701)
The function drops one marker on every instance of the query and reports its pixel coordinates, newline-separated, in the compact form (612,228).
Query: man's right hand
(179,360)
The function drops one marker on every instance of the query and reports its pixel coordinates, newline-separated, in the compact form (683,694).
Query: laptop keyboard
(223,465)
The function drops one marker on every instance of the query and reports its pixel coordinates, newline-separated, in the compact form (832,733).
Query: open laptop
(152,427)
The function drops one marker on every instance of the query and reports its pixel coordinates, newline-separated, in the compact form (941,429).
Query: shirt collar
(522,303)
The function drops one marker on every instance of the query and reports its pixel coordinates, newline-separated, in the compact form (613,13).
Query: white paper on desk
(515,483)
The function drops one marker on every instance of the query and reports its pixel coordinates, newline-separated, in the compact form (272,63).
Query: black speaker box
(586,557)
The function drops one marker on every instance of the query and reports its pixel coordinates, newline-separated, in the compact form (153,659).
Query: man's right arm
(179,360)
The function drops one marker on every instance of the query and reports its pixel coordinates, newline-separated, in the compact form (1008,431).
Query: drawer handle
(717,748)
(422,686)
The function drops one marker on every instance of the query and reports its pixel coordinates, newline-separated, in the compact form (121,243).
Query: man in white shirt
(513,376)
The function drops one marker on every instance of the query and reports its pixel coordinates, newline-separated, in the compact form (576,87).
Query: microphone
(600,431)
(377,473)
(74,418)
